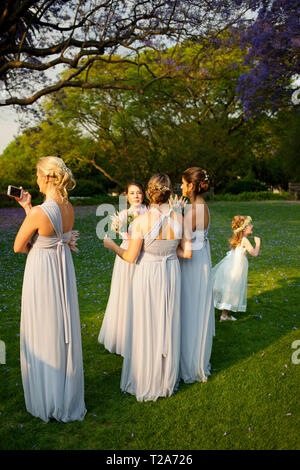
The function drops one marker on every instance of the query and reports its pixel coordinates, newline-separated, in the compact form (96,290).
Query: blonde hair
(61,176)
(159,188)
(237,222)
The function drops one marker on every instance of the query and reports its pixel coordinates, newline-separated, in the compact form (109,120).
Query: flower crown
(246,222)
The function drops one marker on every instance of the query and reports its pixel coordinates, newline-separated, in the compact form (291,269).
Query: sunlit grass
(249,402)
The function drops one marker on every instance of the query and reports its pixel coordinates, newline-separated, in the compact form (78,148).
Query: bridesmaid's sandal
(231,318)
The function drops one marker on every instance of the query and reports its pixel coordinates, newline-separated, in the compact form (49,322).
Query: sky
(8,127)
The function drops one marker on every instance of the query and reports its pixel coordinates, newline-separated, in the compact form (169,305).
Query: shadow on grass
(269,316)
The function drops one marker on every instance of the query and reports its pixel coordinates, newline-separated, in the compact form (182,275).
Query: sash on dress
(60,242)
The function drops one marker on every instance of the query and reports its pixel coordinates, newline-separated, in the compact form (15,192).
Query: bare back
(45,227)
(200,215)
(149,219)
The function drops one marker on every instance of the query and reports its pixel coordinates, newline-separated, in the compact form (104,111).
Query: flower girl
(230,274)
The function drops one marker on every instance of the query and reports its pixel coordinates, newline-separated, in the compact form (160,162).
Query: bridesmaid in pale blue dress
(114,326)
(197,306)
(50,335)
(152,349)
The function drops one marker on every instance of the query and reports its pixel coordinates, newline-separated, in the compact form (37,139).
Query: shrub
(245,185)
(86,188)
(253,196)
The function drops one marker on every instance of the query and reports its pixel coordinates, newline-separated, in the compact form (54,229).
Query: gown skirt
(115,323)
(197,316)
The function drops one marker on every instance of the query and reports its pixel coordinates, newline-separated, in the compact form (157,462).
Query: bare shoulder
(36,213)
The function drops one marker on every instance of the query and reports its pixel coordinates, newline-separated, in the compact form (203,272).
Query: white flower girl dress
(230,280)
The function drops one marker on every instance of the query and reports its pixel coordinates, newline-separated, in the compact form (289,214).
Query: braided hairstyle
(60,175)
(159,188)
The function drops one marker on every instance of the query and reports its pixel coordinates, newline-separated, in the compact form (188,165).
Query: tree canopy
(38,36)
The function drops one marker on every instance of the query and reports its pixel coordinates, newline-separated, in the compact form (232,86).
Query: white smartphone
(13,191)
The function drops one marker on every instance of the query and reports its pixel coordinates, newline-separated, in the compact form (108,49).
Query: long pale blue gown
(152,349)
(50,336)
(114,326)
(197,311)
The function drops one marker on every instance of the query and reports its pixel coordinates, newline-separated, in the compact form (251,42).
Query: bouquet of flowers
(177,204)
(73,241)
(122,220)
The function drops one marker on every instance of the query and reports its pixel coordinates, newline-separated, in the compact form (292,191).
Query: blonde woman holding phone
(50,336)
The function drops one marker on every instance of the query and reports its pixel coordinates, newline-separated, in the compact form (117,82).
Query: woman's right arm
(184,249)
(135,245)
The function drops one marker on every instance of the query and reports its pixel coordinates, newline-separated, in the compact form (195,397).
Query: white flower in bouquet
(177,204)
(122,220)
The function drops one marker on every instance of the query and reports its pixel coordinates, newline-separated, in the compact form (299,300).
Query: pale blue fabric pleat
(50,336)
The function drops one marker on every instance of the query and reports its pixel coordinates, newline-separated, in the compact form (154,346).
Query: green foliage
(87,188)
(18,161)
(245,185)
(253,196)
(289,150)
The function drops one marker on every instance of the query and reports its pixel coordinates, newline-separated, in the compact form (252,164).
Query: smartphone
(13,191)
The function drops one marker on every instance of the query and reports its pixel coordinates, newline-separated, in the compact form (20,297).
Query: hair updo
(159,188)
(198,177)
(60,175)
(236,223)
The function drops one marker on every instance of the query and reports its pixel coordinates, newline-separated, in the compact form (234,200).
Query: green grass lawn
(251,400)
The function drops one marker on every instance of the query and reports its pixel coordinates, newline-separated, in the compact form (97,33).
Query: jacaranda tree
(38,37)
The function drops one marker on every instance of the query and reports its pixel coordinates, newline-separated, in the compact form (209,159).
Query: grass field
(251,400)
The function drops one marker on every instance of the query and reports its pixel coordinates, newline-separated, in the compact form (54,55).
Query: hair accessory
(206,177)
(246,222)
(163,188)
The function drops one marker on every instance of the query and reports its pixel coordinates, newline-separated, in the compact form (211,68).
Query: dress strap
(154,231)
(52,210)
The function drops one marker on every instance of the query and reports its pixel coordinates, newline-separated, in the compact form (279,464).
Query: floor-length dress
(152,349)
(50,336)
(114,326)
(197,311)
(230,277)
